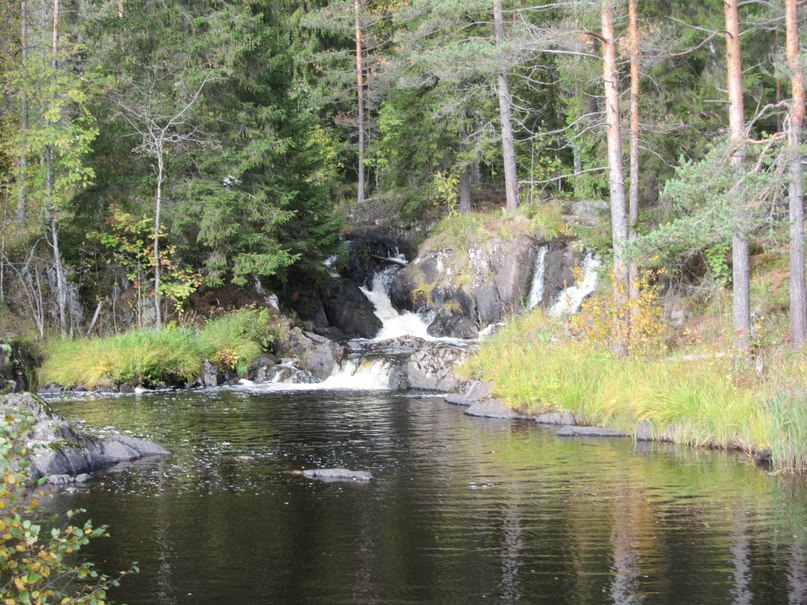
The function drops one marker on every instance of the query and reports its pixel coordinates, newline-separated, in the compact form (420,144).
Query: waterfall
(537,288)
(571,298)
(395,324)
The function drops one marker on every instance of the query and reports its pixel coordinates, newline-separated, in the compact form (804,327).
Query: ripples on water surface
(462,510)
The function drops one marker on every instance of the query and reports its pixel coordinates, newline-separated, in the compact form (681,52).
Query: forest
(153,149)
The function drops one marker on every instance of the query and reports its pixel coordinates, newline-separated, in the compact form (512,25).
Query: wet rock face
(369,246)
(59,451)
(348,309)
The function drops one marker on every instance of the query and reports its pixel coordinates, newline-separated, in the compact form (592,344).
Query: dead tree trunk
(619,222)
(360,88)
(506,115)
(741,273)
(798,291)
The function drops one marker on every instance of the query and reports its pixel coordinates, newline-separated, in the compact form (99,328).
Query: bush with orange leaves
(614,320)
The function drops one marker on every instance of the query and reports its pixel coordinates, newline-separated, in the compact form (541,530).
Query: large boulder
(347,308)
(59,451)
(447,324)
(559,266)
(433,367)
(312,353)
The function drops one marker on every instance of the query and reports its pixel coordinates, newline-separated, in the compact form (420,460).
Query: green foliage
(235,340)
(40,566)
(131,242)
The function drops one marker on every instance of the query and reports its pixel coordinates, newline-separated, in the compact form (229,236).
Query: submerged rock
(335,474)
(589,431)
(58,451)
(493,408)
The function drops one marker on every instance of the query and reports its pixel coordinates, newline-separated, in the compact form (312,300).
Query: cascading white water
(537,288)
(394,324)
(571,298)
(352,374)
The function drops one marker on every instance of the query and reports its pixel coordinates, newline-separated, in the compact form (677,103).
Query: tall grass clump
(135,357)
(541,364)
(235,340)
(169,356)
(788,413)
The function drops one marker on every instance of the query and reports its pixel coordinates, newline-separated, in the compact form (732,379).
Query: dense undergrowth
(541,364)
(170,356)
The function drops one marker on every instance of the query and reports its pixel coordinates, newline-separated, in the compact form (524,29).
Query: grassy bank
(169,356)
(700,401)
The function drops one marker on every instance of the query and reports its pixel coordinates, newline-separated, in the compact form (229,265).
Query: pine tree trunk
(741,273)
(360,87)
(633,192)
(505,113)
(22,199)
(619,219)
(798,291)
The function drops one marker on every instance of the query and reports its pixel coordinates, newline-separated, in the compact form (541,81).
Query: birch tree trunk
(633,191)
(360,88)
(50,187)
(798,291)
(506,116)
(22,199)
(741,273)
(157,267)
(619,220)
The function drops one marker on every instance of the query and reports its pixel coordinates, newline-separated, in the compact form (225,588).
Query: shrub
(36,566)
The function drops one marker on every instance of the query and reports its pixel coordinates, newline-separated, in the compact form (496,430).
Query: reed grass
(701,401)
(170,356)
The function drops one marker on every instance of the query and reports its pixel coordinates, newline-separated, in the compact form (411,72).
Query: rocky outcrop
(61,453)
(483,284)
(348,309)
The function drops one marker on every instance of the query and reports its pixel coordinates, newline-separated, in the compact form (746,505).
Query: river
(461,509)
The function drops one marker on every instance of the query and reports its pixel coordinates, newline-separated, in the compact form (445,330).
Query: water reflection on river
(462,510)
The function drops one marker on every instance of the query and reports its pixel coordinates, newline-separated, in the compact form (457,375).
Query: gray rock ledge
(64,455)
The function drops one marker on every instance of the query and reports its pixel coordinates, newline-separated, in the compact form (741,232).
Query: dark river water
(461,510)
